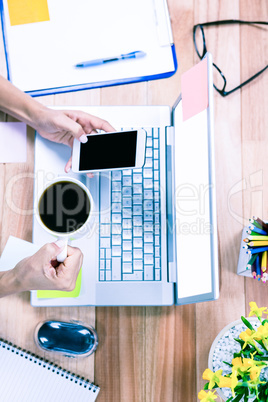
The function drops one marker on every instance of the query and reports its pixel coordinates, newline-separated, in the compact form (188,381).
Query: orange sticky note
(194,90)
(27,11)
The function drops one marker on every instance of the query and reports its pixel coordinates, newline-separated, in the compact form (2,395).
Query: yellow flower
(255,310)
(246,334)
(216,379)
(225,382)
(234,380)
(242,364)
(207,397)
(262,332)
(248,337)
(212,377)
(255,372)
(249,366)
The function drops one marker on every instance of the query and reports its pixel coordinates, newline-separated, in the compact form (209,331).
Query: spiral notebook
(26,377)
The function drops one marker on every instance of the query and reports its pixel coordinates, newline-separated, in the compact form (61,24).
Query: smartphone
(109,151)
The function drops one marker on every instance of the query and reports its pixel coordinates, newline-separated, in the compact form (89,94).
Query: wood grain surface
(151,354)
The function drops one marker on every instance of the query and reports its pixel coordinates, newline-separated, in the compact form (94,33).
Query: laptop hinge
(171,232)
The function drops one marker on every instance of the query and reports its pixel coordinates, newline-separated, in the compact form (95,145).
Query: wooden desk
(152,353)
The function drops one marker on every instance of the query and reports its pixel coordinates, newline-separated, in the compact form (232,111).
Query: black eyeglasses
(202,50)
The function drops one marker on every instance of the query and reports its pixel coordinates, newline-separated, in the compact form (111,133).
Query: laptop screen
(195,206)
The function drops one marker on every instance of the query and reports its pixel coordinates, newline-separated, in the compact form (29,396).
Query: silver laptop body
(183,266)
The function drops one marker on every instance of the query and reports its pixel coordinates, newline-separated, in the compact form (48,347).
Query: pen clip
(137,54)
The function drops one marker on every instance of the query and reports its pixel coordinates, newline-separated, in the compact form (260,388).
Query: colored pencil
(251,261)
(264,261)
(256,250)
(264,277)
(263,225)
(258,267)
(251,232)
(255,223)
(257,230)
(258,243)
(253,268)
(257,238)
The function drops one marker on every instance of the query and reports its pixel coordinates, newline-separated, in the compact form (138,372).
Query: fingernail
(60,243)
(67,169)
(83,138)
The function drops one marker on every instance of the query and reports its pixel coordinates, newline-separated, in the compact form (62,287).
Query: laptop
(154,237)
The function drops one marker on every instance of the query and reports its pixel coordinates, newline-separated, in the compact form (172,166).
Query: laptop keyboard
(130,220)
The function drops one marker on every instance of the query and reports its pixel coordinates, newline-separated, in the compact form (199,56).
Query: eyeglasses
(201,50)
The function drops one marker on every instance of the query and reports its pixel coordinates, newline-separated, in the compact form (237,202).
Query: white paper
(13,142)
(15,250)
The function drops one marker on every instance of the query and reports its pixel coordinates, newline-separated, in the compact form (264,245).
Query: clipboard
(44,43)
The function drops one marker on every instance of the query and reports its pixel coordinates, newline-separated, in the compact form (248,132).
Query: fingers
(50,251)
(68,165)
(67,271)
(75,128)
(100,124)
(89,122)
(73,251)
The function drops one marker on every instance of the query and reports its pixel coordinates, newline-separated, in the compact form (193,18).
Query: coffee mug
(64,209)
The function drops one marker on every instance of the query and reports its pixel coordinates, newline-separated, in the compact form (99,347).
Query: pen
(133,55)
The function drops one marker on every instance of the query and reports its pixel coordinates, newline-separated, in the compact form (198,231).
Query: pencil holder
(253,256)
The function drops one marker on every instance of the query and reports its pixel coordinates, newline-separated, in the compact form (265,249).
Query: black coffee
(64,207)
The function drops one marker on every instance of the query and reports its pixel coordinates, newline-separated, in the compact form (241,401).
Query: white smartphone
(109,151)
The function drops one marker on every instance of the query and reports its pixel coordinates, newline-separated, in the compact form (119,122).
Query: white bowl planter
(223,348)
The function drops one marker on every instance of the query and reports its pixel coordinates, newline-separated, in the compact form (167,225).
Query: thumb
(68,165)
(57,248)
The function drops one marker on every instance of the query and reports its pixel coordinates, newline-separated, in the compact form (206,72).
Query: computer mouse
(72,339)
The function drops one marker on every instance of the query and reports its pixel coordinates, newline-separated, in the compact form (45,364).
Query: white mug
(64,209)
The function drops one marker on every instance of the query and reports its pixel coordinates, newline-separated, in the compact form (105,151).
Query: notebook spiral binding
(48,365)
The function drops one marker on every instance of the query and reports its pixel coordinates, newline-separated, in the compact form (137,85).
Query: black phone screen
(109,151)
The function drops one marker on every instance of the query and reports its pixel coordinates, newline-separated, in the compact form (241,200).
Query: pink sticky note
(194,90)
(13,142)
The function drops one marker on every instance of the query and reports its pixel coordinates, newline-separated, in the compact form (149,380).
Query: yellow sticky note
(27,11)
(52,294)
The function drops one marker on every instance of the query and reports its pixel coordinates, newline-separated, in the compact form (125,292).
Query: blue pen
(98,62)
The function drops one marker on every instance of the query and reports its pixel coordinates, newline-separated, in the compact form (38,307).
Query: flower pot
(223,348)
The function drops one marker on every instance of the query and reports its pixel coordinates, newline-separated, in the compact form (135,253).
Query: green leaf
(239,341)
(206,386)
(247,323)
(238,398)
(228,364)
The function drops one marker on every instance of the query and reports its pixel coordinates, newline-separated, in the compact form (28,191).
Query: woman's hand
(64,125)
(56,125)
(42,271)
